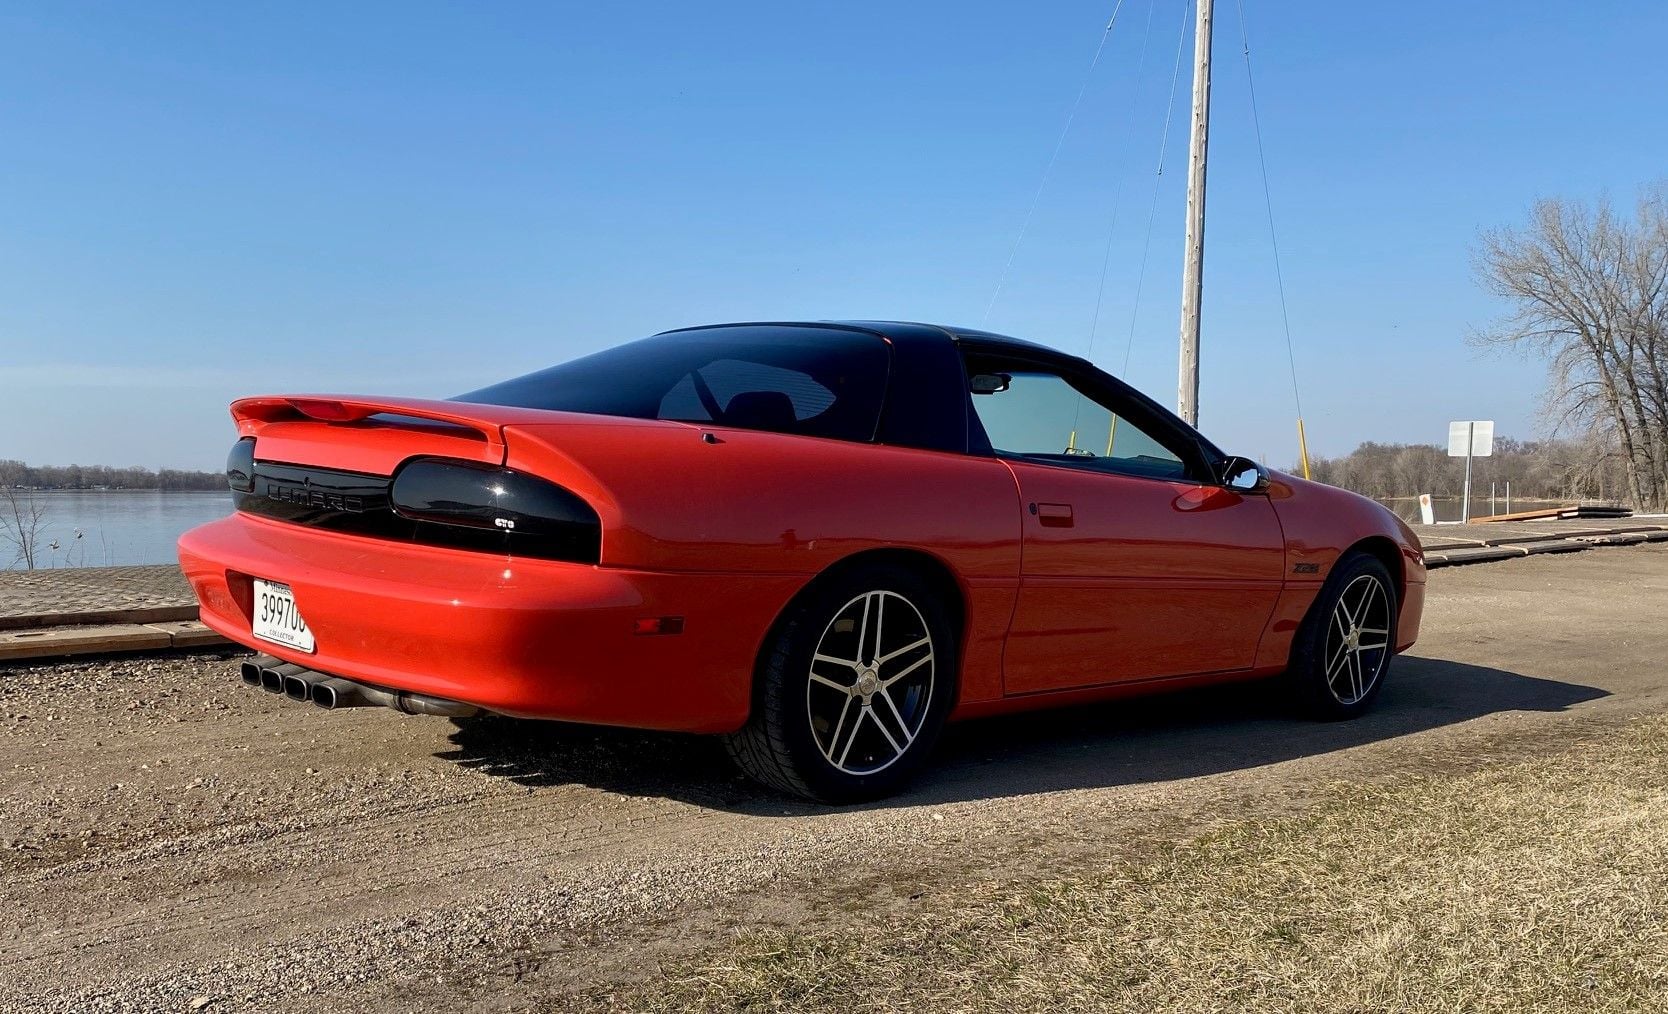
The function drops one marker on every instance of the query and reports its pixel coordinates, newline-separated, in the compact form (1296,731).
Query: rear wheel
(1344,648)
(852,690)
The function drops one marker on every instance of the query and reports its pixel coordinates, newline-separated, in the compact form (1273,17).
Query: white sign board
(1482,438)
(1478,434)
(1459,435)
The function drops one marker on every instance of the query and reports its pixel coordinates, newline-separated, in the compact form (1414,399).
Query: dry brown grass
(1538,887)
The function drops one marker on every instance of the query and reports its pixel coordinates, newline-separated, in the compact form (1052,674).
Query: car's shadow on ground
(1152,739)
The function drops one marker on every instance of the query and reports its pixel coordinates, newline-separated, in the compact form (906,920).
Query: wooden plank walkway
(1451,545)
(105,639)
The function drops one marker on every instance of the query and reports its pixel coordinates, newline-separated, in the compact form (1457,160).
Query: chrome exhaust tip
(250,670)
(333,692)
(272,676)
(296,686)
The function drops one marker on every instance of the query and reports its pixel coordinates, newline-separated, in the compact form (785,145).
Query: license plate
(276,617)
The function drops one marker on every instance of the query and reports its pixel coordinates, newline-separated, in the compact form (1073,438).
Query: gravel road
(171,840)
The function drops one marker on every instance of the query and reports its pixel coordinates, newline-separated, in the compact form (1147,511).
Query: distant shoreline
(15,476)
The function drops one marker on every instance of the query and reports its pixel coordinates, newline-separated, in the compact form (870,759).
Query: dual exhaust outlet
(299,683)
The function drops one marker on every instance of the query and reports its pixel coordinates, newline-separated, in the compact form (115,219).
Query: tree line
(17,475)
(1567,469)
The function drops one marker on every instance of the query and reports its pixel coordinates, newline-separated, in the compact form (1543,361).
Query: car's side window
(1038,415)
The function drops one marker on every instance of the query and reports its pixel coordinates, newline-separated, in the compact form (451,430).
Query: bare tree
(21,521)
(1588,289)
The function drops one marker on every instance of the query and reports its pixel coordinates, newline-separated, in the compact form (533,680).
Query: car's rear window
(812,381)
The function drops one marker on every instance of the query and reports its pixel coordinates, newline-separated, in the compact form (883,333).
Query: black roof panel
(900,330)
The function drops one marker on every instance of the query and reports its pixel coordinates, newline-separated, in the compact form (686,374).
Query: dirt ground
(171,840)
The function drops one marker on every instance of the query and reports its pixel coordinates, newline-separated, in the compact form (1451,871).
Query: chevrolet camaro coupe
(820,541)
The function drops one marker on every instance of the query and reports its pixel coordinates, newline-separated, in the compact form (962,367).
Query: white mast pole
(1187,396)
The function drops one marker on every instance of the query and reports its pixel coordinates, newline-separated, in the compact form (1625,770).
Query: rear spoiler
(354,408)
(482,423)
(373,435)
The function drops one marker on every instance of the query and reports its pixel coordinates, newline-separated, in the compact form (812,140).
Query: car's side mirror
(989,383)
(1242,475)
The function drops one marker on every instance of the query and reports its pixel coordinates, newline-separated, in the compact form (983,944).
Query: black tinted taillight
(240,466)
(523,513)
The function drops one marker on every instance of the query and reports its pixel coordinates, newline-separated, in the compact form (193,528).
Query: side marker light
(651,625)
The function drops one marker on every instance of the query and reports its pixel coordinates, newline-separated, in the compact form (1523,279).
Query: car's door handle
(1053,515)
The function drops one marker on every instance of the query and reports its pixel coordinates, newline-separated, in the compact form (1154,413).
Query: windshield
(811,381)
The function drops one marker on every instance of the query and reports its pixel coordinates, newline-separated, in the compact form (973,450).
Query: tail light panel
(523,513)
(240,466)
(432,501)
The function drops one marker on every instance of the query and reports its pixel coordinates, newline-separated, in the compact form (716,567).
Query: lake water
(118,528)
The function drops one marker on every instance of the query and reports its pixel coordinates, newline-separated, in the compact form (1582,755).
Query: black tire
(1330,680)
(791,742)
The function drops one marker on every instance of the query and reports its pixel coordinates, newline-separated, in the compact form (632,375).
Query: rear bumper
(532,638)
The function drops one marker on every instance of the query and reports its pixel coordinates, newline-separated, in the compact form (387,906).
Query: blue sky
(199,201)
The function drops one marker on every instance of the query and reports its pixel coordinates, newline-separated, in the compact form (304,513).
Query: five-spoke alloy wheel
(853,688)
(1346,642)
(1358,640)
(871,680)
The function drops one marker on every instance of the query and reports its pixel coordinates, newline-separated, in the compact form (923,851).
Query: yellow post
(1303,446)
(1111,435)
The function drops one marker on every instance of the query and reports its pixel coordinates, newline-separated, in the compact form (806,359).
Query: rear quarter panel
(671,499)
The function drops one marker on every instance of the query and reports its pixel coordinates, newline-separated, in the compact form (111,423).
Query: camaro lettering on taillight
(307,497)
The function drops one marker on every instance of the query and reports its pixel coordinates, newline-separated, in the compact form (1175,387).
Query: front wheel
(852,690)
(1346,642)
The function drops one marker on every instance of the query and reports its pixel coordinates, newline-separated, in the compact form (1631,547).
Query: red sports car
(819,540)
